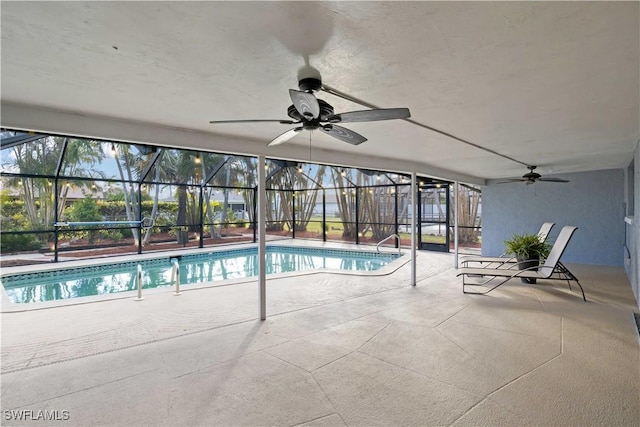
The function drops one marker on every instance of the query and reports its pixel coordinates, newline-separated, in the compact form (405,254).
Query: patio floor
(334,350)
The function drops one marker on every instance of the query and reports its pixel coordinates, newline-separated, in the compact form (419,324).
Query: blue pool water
(211,267)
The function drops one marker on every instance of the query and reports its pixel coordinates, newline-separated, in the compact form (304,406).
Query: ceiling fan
(311,113)
(532,177)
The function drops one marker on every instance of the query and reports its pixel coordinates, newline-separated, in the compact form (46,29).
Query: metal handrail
(139,277)
(175,275)
(387,238)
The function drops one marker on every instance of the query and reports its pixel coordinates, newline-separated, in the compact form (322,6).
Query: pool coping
(8,306)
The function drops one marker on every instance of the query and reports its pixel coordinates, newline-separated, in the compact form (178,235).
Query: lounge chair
(545,229)
(551,269)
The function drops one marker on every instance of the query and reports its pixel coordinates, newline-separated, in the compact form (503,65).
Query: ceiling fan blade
(306,104)
(510,181)
(284,137)
(370,115)
(553,180)
(343,134)
(284,122)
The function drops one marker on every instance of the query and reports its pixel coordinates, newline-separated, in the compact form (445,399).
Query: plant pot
(528,263)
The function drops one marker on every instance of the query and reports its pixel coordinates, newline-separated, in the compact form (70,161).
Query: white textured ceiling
(554,84)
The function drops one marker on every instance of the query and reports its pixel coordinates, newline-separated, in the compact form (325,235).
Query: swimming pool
(199,268)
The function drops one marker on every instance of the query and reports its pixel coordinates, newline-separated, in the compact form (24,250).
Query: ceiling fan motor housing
(326,110)
(531,176)
(310,84)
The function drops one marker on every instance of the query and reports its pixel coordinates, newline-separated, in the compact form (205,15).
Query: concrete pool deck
(334,350)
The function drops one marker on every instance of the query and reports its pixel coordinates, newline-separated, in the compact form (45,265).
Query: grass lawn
(335,229)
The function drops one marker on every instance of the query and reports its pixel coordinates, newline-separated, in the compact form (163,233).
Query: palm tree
(129,169)
(468,218)
(239,171)
(210,161)
(279,198)
(305,198)
(379,209)
(43,155)
(246,167)
(179,166)
(345,195)
(156,199)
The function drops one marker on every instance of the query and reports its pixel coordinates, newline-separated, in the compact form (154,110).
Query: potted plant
(528,250)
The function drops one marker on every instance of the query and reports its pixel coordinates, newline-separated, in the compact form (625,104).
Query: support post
(396,225)
(419,219)
(447,218)
(254,206)
(201,243)
(455,223)
(262,248)
(414,214)
(55,219)
(56,198)
(139,218)
(293,214)
(357,215)
(324,216)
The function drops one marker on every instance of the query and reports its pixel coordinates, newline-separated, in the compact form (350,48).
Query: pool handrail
(140,223)
(175,276)
(387,238)
(139,276)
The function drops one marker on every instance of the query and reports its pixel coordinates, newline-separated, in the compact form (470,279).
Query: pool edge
(8,306)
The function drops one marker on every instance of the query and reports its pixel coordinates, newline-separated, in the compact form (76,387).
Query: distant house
(235,201)
(73,193)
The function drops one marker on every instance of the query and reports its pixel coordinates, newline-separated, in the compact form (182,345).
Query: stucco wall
(592,201)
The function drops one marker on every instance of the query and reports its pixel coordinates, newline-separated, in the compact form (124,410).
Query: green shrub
(114,235)
(15,222)
(86,210)
(12,207)
(18,243)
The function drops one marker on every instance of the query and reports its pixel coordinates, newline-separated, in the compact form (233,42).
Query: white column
(262,247)
(414,214)
(455,223)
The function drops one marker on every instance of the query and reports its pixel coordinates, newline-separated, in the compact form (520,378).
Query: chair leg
(464,291)
(582,290)
(562,271)
(569,276)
